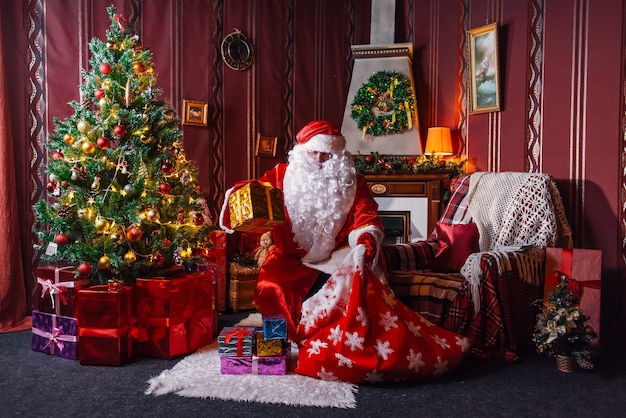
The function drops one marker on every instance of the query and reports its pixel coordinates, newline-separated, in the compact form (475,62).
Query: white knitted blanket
(514,209)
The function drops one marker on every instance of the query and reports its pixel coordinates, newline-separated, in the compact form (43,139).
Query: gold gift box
(268,348)
(256,207)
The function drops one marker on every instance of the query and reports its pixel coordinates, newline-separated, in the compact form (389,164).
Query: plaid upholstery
(506,318)
(457,210)
(414,256)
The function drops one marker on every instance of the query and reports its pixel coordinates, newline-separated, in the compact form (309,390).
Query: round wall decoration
(384,105)
(237,51)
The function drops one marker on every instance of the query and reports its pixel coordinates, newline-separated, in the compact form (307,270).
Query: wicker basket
(565,364)
(242,283)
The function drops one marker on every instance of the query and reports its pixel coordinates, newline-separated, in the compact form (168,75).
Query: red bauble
(99,94)
(51,185)
(61,239)
(134,233)
(165,188)
(105,68)
(157,260)
(119,131)
(57,155)
(166,243)
(103,142)
(198,219)
(84,269)
(167,168)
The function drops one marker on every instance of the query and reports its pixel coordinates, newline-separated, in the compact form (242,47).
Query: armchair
(483,265)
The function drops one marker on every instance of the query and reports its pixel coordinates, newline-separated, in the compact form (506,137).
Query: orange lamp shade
(438,142)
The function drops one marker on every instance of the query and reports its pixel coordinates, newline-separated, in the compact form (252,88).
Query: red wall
(561,89)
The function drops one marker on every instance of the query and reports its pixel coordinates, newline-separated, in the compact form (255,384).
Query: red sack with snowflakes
(355,330)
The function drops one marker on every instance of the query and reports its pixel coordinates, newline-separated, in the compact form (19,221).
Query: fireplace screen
(397,226)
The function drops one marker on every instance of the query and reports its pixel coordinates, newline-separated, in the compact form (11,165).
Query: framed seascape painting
(195,113)
(484,69)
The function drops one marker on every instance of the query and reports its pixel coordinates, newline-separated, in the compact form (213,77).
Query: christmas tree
(124,200)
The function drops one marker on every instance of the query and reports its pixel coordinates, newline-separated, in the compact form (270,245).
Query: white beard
(318,198)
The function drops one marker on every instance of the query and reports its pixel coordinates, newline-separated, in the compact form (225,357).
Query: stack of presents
(250,350)
(107,324)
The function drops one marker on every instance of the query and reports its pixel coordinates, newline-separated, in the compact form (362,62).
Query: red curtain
(13,315)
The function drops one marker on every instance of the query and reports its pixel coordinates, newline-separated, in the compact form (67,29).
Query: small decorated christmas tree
(124,200)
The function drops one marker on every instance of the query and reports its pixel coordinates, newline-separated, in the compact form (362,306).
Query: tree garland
(384,105)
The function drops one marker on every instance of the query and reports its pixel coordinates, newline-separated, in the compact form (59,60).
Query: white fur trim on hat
(331,144)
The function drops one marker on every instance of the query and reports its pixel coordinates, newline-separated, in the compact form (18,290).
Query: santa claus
(324,277)
(328,210)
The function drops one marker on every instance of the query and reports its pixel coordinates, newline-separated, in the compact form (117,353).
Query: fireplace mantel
(428,185)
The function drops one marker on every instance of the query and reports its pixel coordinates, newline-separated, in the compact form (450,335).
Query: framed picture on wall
(266,145)
(195,113)
(484,69)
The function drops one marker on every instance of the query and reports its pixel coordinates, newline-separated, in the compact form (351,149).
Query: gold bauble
(88,147)
(153,214)
(115,237)
(68,139)
(102,102)
(104,263)
(130,257)
(101,224)
(83,126)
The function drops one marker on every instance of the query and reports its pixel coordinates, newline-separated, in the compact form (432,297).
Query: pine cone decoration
(66,211)
(86,102)
(81,173)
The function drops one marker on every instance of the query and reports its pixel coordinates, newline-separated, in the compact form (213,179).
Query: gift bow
(574,285)
(52,289)
(238,333)
(55,338)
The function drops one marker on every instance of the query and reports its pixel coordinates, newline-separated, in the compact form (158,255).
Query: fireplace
(397,226)
(408,214)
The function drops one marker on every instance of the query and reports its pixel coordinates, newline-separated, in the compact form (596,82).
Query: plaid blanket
(505,319)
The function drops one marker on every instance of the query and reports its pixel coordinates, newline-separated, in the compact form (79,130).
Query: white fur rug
(198,376)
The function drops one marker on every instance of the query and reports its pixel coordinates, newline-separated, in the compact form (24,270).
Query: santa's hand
(370,244)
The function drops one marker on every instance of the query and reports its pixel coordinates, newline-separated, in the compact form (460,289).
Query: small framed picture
(195,113)
(484,71)
(266,145)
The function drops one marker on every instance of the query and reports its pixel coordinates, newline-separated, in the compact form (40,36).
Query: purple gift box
(276,365)
(235,365)
(54,334)
(254,365)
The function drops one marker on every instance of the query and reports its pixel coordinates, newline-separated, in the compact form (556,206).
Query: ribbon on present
(238,333)
(57,289)
(575,285)
(56,337)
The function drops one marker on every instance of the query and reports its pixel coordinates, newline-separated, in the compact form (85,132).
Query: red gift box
(58,287)
(584,269)
(217,255)
(174,316)
(104,324)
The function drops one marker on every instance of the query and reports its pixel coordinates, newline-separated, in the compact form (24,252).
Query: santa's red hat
(321,136)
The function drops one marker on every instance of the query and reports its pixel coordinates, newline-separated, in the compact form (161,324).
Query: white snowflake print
(415,360)
(316,346)
(374,377)
(343,360)
(390,299)
(354,341)
(383,349)
(463,342)
(335,335)
(388,321)
(362,317)
(441,367)
(325,375)
(442,342)
(414,328)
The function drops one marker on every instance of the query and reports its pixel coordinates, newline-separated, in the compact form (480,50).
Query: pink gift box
(584,268)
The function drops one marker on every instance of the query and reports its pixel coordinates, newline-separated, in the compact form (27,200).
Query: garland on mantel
(375,163)
(384,105)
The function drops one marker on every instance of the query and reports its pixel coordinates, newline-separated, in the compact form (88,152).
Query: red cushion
(456,243)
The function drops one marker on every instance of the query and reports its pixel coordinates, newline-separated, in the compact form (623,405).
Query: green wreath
(384,105)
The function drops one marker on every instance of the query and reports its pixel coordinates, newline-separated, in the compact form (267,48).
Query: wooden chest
(242,283)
